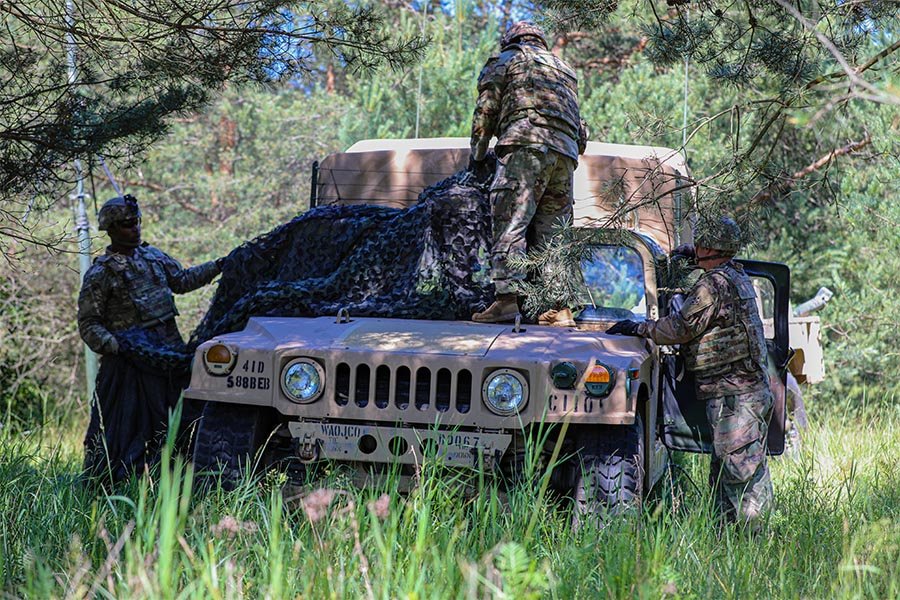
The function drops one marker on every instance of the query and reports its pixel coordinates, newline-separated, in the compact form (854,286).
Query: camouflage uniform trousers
(531,192)
(739,475)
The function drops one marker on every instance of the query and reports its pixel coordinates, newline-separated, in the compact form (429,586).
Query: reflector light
(219,359)
(218,354)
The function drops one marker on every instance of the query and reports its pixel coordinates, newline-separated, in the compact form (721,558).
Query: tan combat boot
(557,318)
(505,308)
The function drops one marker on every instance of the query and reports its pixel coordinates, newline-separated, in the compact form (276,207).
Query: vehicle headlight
(219,359)
(302,380)
(505,392)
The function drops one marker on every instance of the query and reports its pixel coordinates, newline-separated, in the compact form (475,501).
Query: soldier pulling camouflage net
(126,296)
(428,262)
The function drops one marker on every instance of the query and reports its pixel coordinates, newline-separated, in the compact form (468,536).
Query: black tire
(230,441)
(609,467)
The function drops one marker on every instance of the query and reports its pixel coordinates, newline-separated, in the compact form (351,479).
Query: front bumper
(403,445)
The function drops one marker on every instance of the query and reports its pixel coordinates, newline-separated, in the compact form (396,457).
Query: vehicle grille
(422,388)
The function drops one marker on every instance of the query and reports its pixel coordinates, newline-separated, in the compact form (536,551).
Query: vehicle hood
(502,343)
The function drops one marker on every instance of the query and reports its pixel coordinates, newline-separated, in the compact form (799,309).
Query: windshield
(613,284)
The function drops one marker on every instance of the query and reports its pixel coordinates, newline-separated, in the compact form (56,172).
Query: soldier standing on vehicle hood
(528,98)
(128,291)
(724,344)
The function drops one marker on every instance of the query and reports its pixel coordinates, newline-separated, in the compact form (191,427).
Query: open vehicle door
(684,424)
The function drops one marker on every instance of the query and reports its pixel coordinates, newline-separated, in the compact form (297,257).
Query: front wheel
(609,470)
(230,441)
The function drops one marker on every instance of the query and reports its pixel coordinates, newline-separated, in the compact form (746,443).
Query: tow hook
(308,448)
(487,457)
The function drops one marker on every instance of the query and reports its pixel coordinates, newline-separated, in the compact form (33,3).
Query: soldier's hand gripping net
(482,170)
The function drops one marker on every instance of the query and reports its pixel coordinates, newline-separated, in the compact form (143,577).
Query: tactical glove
(684,251)
(626,327)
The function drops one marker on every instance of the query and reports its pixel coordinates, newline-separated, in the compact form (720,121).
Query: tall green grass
(835,534)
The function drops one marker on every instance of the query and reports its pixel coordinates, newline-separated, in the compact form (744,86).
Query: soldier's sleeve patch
(699,300)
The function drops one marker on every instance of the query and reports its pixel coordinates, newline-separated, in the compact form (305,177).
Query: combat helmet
(721,234)
(117,209)
(522,29)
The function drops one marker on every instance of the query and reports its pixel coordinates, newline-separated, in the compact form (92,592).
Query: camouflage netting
(429,261)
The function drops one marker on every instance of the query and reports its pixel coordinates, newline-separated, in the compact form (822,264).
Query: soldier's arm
(683,326)
(182,281)
(487,107)
(92,301)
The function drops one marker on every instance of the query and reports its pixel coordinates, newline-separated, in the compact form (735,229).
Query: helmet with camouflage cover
(117,209)
(721,234)
(522,29)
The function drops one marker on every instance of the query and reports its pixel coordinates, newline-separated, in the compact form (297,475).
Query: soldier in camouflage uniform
(528,98)
(723,342)
(130,288)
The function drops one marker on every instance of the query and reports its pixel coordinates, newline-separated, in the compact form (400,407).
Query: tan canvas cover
(638,187)
(642,187)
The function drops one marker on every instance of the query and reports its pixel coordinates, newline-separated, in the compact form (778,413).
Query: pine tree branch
(780,188)
(860,69)
(851,74)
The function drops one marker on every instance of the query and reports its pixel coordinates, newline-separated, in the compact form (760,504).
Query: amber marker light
(631,374)
(599,380)
(219,359)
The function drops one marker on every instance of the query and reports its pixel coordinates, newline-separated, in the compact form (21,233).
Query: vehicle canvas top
(650,184)
(417,371)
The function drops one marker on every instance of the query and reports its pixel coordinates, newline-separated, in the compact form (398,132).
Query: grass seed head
(228,527)
(381,507)
(317,504)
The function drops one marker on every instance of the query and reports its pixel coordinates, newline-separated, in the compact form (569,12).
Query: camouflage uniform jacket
(527,97)
(721,332)
(120,292)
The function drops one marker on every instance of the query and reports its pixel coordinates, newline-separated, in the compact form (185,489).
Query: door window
(765,302)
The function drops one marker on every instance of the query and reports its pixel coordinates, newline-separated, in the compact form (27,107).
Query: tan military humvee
(374,392)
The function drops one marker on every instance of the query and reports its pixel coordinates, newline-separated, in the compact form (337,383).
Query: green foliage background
(241,167)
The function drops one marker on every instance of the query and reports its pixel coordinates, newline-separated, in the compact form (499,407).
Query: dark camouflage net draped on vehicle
(429,261)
